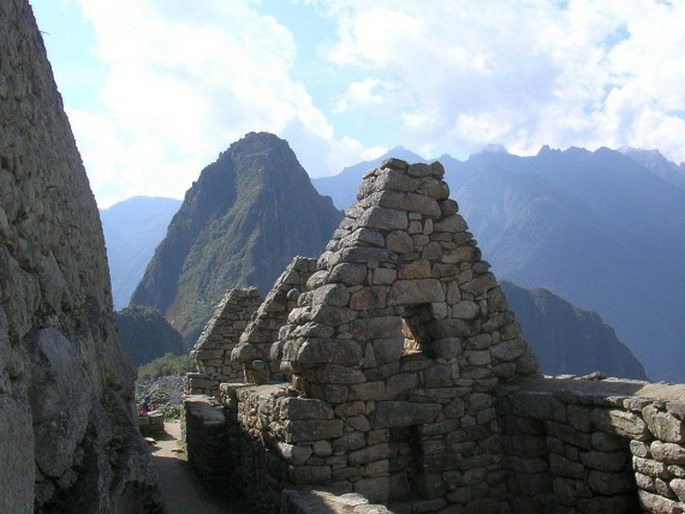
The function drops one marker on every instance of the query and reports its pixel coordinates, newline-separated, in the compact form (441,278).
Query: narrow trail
(181,490)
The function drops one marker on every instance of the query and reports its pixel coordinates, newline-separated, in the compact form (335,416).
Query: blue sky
(156,89)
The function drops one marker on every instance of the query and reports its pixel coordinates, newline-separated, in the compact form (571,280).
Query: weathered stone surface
(626,424)
(59,395)
(312,430)
(658,504)
(604,461)
(668,453)
(55,295)
(396,413)
(384,219)
(664,425)
(409,292)
(677,485)
(651,467)
(303,408)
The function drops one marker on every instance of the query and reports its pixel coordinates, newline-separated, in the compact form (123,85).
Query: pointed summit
(239,225)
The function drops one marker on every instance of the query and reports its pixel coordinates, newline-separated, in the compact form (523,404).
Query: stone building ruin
(212,351)
(397,375)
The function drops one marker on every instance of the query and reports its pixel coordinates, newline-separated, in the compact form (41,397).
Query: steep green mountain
(567,339)
(133,229)
(241,222)
(602,229)
(145,334)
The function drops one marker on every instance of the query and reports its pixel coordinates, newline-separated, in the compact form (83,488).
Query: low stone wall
(295,501)
(612,447)
(210,449)
(569,446)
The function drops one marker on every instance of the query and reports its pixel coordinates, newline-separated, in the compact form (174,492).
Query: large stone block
(626,424)
(384,219)
(655,504)
(664,425)
(312,430)
(390,414)
(669,453)
(292,408)
(412,292)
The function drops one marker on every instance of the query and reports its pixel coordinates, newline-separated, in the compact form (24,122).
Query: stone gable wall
(393,352)
(259,350)
(212,352)
(408,384)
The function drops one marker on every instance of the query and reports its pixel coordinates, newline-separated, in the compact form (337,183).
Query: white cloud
(434,76)
(183,84)
(581,72)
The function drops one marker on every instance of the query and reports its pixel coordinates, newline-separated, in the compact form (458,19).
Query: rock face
(146,335)
(67,437)
(239,226)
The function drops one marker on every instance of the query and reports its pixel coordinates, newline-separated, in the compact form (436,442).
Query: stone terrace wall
(212,352)
(260,361)
(610,447)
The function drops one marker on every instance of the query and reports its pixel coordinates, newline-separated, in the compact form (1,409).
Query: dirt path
(181,491)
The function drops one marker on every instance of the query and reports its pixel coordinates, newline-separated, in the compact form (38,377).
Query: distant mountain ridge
(566,339)
(145,217)
(599,228)
(240,223)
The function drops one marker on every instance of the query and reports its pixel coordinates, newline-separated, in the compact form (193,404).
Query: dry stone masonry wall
(68,440)
(212,352)
(259,350)
(610,447)
(408,384)
(393,355)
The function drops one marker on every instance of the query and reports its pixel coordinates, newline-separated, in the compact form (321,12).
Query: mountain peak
(240,223)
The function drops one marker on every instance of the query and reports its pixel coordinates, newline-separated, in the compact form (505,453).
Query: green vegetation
(166,365)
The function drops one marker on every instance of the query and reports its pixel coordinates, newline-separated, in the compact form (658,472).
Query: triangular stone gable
(212,351)
(406,333)
(254,350)
(402,262)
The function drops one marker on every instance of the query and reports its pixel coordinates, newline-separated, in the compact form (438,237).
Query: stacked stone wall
(610,447)
(212,352)
(409,383)
(259,350)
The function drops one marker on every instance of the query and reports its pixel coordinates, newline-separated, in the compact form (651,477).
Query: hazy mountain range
(566,339)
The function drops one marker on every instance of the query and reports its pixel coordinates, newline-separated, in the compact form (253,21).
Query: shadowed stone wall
(610,446)
(68,436)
